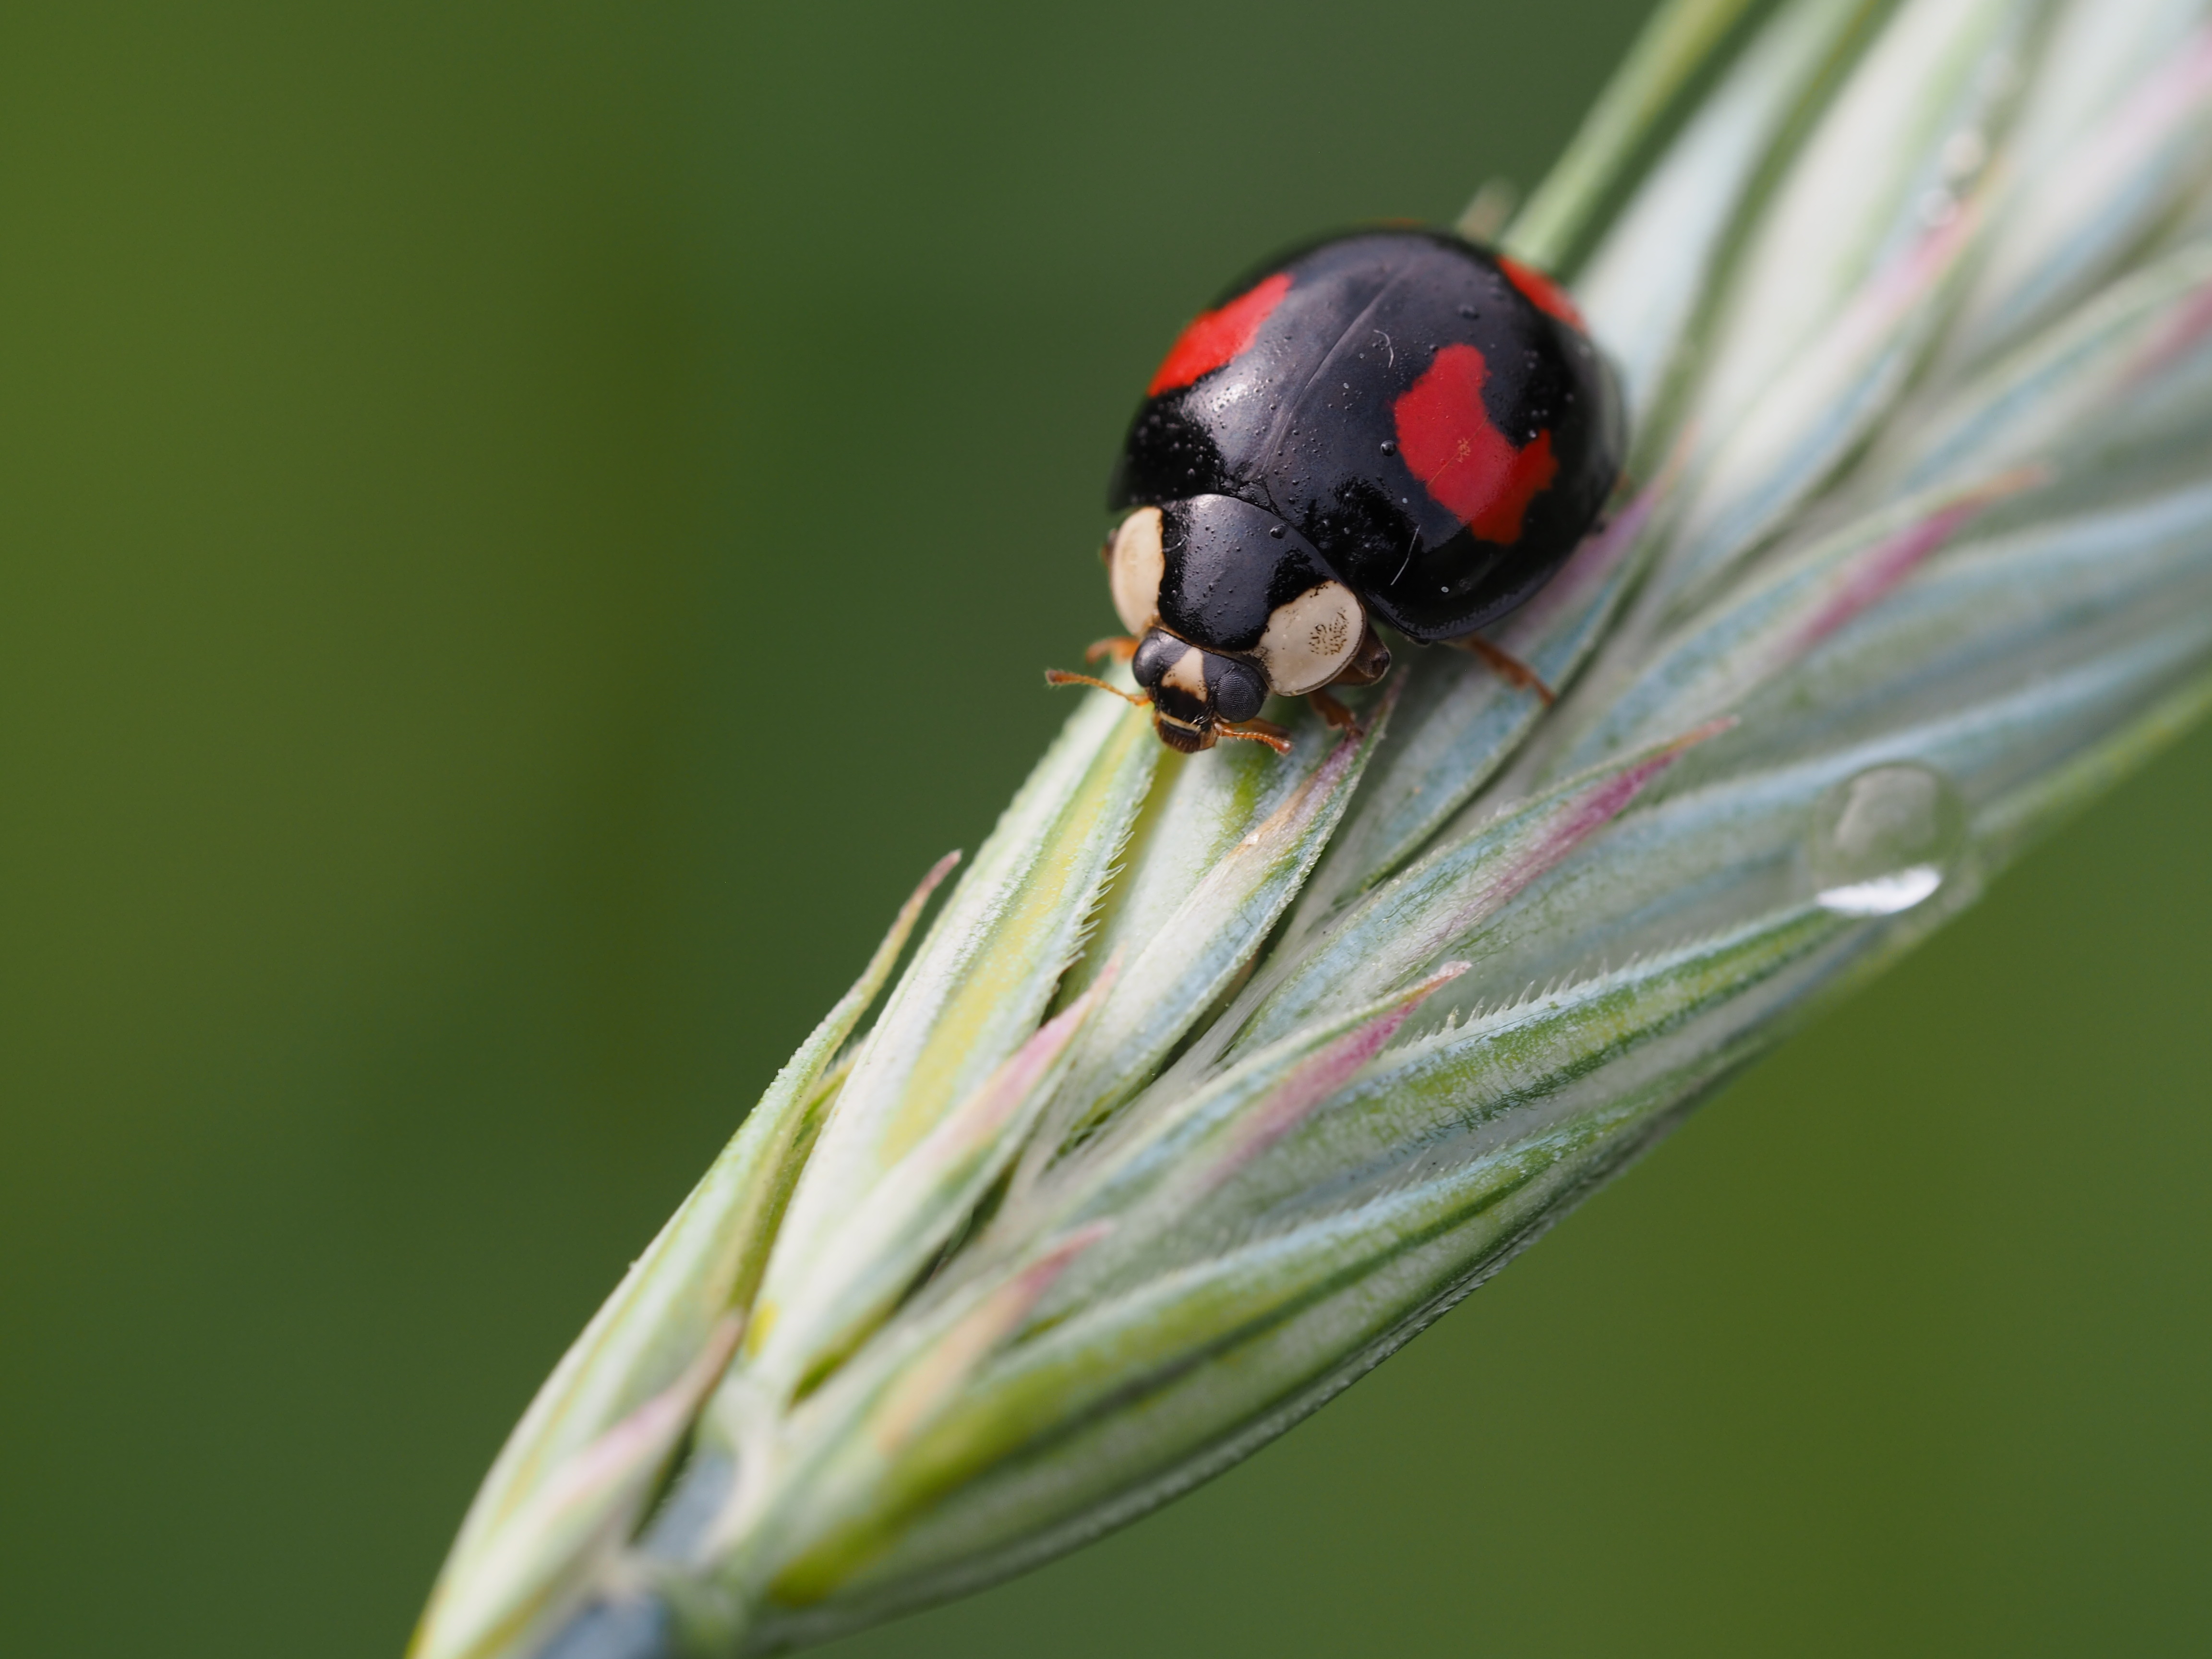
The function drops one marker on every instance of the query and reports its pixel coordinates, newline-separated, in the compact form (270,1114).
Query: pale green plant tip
(676,1305)
(1219,1077)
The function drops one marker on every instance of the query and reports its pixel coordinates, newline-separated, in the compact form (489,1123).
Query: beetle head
(1197,695)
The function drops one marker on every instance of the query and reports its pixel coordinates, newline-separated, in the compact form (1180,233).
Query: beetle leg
(1118,648)
(1061,677)
(1507,666)
(1339,718)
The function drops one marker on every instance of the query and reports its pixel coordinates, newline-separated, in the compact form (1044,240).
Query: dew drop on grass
(1883,839)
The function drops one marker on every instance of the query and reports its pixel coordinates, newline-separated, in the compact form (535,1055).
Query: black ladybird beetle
(1392,423)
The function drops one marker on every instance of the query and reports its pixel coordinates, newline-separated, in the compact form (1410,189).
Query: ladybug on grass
(1391,424)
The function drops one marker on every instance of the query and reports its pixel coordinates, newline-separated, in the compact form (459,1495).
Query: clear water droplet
(1885,838)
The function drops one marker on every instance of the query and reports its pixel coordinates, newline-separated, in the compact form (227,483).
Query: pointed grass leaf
(1118,1395)
(2135,356)
(979,981)
(840,1443)
(1722,657)
(1647,283)
(1170,1148)
(2069,225)
(1679,43)
(1801,426)
(914,1209)
(701,1267)
(1856,196)
(1183,969)
(1405,924)
(549,1552)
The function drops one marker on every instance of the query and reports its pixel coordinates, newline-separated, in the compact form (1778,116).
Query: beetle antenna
(1061,677)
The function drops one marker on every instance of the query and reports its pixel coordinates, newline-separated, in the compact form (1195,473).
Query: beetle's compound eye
(1235,689)
(1135,565)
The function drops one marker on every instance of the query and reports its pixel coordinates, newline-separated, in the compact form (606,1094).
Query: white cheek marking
(1137,569)
(1189,674)
(1309,640)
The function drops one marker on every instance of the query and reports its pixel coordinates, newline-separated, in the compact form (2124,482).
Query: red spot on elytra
(1216,336)
(1463,459)
(1541,291)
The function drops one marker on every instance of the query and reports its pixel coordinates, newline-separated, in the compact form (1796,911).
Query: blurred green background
(527,529)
